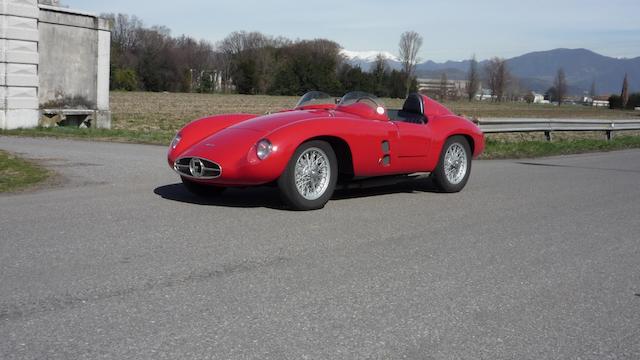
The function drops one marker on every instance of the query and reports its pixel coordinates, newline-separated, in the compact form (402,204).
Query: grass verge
(495,149)
(17,174)
(158,137)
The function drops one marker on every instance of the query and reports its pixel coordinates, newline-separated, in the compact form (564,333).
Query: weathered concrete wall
(74,61)
(51,56)
(18,63)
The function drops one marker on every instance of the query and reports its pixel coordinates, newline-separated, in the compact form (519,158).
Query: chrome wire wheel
(312,173)
(455,163)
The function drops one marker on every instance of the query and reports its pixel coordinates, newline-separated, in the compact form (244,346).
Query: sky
(452,30)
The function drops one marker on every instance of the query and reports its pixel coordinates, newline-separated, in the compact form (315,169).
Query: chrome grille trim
(211,170)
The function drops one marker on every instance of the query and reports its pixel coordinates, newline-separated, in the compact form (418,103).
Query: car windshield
(361,97)
(315,98)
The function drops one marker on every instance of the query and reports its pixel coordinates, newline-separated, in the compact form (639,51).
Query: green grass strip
(531,149)
(16,173)
(139,137)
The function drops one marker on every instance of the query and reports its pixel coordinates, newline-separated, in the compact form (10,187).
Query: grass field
(16,173)
(168,112)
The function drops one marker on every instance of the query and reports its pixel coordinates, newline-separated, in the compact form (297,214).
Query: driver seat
(413,110)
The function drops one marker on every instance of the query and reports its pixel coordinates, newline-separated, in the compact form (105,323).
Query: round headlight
(176,141)
(263,149)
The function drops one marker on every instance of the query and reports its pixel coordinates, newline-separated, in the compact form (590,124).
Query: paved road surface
(534,260)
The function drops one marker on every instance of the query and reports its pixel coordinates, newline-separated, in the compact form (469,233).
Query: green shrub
(125,79)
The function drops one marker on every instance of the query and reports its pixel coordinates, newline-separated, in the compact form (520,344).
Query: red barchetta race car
(319,144)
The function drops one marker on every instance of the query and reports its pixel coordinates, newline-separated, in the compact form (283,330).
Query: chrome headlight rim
(176,141)
(264,148)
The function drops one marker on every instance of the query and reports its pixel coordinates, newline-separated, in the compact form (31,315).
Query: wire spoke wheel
(455,163)
(452,173)
(312,173)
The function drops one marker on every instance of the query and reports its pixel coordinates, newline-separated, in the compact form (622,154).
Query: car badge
(196,167)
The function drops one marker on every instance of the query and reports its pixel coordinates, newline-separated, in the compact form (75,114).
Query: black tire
(287,183)
(200,189)
(439,176)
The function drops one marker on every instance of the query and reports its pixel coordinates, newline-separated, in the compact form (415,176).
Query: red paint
(230,140)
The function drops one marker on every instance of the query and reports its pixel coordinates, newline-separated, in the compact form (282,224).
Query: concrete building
(433,88)
(53,61)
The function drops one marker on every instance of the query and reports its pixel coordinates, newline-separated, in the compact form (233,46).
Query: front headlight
(175,141)
(263,149)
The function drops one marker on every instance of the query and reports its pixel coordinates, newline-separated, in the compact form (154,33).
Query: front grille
(197,168)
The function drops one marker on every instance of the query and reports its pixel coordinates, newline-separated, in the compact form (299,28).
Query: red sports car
(324,142)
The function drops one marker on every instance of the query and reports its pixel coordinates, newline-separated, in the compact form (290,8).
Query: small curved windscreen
(315,98)
(361,97)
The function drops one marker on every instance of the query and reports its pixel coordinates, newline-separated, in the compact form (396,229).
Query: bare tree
(560,83)
(124,30)
(624,96)
(444,82)
(223,64)
(497,77)
(593,92)
(473,79)
(380,70)
(410,44)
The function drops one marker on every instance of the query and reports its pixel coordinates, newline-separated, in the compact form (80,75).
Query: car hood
(226,143)
(275,121)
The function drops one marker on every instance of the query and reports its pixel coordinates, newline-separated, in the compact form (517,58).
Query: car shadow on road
(269,197)
(253,197)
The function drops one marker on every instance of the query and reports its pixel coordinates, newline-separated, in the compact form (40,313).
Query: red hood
(227,143)
(274,121)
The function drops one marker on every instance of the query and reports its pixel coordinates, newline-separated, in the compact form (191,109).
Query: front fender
(198,130)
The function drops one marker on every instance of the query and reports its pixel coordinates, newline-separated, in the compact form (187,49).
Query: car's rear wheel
(310,177)
(452,173)
(200,189)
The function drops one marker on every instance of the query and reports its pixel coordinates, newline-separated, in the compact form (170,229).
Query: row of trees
(499,81)
(503,85)
(151,59)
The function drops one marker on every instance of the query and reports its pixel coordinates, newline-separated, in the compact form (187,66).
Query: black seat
(413,104)
(413,110)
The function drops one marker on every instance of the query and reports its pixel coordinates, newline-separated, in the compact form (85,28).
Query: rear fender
(445,127)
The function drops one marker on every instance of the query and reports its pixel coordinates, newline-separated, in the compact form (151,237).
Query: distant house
(600,101)
(433,88)
(484,95)
(537,98)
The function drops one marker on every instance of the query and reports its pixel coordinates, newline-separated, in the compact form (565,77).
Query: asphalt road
(536,259)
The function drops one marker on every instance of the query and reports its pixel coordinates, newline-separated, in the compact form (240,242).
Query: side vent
(386,160)
(386,151)
(386,148)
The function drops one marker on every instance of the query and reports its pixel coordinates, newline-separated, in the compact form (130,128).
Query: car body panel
(374,144)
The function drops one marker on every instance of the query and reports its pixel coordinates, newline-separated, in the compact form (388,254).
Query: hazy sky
(452,30)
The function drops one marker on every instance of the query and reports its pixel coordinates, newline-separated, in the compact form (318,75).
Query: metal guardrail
(548,126)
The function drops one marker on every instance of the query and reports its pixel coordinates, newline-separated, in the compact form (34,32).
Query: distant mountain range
(535,71)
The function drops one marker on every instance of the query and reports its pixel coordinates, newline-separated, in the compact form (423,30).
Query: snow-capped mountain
(365,59)
(369,56)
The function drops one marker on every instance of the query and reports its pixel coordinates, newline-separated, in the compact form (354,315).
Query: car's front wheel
(454,165)
(310,177)
(200,189)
